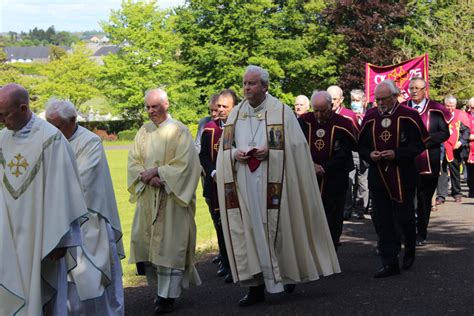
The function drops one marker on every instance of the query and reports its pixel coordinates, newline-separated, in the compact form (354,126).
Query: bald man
(163,173)
(338,107)
(40,203)
(331,139)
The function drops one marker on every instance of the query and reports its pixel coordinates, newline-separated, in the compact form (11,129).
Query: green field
(206,241)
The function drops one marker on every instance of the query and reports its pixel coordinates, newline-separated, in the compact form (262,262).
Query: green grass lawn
(206,239)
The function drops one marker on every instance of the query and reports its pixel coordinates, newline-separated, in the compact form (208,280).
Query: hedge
(127,134)
(111,127)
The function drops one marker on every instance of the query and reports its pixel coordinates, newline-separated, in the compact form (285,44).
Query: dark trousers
(357,195)
(455,177)
(470,178)
(424,194)
(216,219)
(334,208)
(394,220)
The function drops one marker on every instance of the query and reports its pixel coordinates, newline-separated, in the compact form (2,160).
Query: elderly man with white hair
(357,196)
(272,215)
(40,204)
(301,105)
(163,173)
(331,139)
(436,119)
(337,96)
(391,137)
(95,286)
(456,150)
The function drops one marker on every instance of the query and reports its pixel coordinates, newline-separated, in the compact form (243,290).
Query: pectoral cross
(319,144)
(20,163)
(385,136)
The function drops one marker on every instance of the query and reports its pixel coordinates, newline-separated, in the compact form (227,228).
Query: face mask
(356,106)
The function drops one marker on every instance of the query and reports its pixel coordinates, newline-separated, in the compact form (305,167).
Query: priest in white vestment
(40,206)
(95,286)
(163,173)
(274,224)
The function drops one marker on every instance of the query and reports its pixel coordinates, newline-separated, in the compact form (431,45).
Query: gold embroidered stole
(275,140)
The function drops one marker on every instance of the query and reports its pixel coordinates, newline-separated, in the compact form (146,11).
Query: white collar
(165,122)
(420,107)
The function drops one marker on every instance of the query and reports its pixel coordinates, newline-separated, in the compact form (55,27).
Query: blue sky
(65,15)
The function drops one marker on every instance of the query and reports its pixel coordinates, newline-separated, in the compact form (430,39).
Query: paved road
(441,282)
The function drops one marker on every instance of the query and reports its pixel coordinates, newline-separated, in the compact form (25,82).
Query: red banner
(400,73)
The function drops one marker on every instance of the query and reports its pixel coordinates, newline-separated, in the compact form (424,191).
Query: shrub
(104,136)
(111,127)
(127,134)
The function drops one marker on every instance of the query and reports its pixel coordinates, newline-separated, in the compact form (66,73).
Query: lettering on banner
(379,78)
(416,72)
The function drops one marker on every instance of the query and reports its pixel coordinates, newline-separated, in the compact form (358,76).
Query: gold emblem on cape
(244,116)
(19,163)
(319,144)
(216,146)
(320,132)
(386,122)
(385,136)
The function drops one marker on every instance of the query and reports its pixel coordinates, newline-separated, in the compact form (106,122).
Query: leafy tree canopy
(73,77)
(149,57)
(444,30)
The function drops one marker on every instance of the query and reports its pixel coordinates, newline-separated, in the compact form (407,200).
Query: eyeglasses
(416,88)
(379,100)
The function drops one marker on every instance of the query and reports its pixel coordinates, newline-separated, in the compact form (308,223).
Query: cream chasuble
(164,230)
(98,261)
(273,218)
(42,197)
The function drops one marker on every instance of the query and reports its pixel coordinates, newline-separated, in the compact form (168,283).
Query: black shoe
(408,260)
(222,271)
(228,278)
(289,288)
(360,216)
(255,295)
(164,305)
(387,271)
(420,242)
(377,250)
(216,259)
(347,216)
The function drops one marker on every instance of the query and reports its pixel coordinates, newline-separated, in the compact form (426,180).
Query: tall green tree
(286,37)
(149,57)
(370,29)
(56,52)
(444,30)
(73,77)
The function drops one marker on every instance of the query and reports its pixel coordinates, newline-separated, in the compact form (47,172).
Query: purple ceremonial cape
(386,133)
(423,160)
(215,131)
(321,137)
(349,114)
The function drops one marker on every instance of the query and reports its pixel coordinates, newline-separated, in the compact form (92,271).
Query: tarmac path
(441,282)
